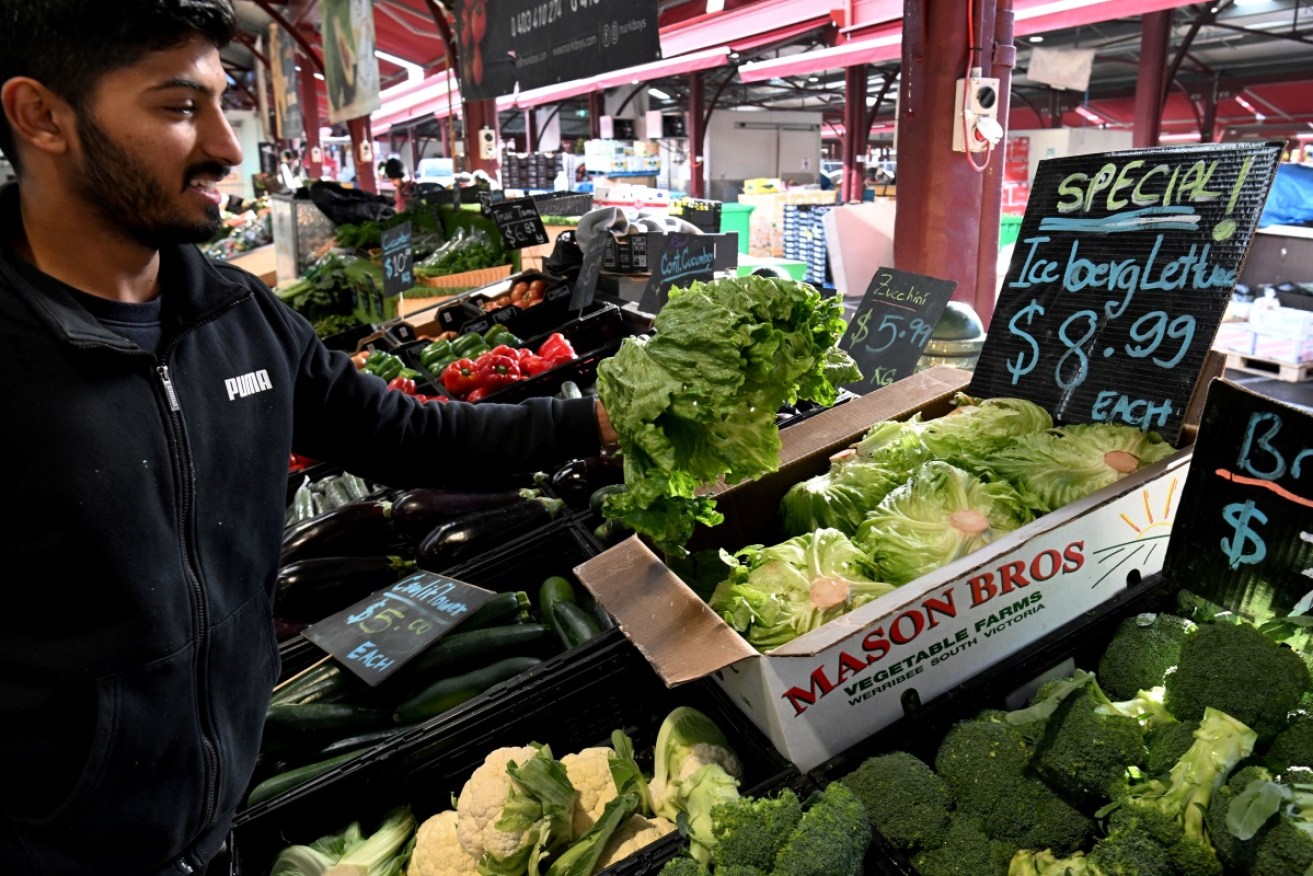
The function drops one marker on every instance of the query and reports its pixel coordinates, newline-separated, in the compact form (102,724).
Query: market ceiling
(1257,55)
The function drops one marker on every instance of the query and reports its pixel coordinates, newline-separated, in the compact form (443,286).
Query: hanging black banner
(542,42)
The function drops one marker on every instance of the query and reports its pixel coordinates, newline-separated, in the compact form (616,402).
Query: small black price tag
(381,633)
(585,285)
(488,197)
(1124,265)
(519,222)
(1243,533)
(892,325)
(676,260)
(398,260)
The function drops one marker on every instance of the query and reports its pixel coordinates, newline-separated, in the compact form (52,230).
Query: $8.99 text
(1156,336)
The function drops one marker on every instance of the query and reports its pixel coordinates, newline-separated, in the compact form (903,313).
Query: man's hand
(610,440)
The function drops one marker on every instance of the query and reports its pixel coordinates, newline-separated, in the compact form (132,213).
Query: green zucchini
(501,609)
(574,625)
(293,690)
(451,692)
(553,591)
(599,496)
(471,648)
(319,718)
(286,781)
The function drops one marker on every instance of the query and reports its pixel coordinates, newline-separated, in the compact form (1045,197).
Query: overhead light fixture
(298,69)
(813,79)
(733,56)
(870,100)
(1090,116)
(1245,3)
(413,71)
(749,109)
(319,76)
(658,94)
(1037,38)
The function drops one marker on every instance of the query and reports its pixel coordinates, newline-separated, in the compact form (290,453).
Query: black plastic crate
(1006,685)
(563,203)
(567,706)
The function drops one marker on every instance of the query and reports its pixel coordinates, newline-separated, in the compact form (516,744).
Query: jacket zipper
(186,511)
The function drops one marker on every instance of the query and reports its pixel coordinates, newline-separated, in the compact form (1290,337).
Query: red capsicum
(556,349)
(493,372)
(459,377)
(404,384)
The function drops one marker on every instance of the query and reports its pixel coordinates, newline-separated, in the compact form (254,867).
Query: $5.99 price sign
(1243,535)
(892,324)
(1119,277)
(379,634)
(398,260)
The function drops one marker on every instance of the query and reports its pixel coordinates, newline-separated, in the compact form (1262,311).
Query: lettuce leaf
(940,514)
(775,594)
(1056,467)
(976,428)
(697,401)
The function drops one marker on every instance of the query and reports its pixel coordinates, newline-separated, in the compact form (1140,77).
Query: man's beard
(124,191)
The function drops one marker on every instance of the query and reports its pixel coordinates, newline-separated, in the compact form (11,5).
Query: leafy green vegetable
(940,514)
(469,249)
(425,232)
(778,593)
(977,428)
(582,855)
(1058,466)
(327,292)
(840,498)
(698,401)
(694,771)
(351,853)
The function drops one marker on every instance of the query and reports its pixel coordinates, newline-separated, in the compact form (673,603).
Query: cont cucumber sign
(1123,267)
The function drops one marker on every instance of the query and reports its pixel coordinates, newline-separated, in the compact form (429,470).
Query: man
(136,643)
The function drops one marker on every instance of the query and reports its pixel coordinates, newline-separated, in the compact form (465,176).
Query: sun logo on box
(1150,531)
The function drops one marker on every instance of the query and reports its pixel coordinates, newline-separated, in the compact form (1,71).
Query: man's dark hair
(68,45)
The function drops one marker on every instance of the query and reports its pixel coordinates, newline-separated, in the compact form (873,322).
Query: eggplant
(418,511)
(458,540)
(578,479)
(355,529)
(315,587)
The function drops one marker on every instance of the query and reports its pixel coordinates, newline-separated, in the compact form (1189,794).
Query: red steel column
(531,130)
(596,109)
(360,134)
(1004,57)
(855,134)
(1155,36)
(697,168)
(937,224)
(479,113)
(309,98)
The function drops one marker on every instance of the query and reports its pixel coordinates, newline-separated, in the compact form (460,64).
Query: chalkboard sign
(892,325)
(585,285)
(1123,267)
(1243,535)
(379,634)
(519,222)
(676,260)
(398,260)
(488,197)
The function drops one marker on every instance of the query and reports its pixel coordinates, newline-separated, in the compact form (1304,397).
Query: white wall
(1060,142)
(770,144)
(246,125)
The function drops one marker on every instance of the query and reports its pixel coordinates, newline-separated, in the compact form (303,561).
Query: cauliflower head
(480,805)
(438,851)
(634,834)
(590,773)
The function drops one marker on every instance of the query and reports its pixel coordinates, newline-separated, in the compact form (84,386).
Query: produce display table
(260,261)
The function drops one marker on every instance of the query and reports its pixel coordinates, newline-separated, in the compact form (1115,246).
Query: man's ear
(39,118)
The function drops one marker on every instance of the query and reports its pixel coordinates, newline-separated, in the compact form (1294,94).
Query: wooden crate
(1288,371)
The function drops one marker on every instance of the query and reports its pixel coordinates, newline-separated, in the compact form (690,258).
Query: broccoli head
(907,803)
(1233,851)
(1140,652)
(984,763)
(1088,746)
(1293,746)
(966,851)
(1171,812)
(831,838)
(749,832)
(1286,850)
(1166,744)
(683,866)
(1219,666)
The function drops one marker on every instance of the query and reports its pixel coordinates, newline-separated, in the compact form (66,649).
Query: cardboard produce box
(830,688)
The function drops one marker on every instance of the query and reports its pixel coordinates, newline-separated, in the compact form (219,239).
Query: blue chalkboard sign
(892,325)
(1121,272)
(676,260)
(1243,533)
(398,260)
(379,634)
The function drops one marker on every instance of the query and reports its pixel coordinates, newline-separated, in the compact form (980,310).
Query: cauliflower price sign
(379,634)
(1246,534)
(1119,278)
